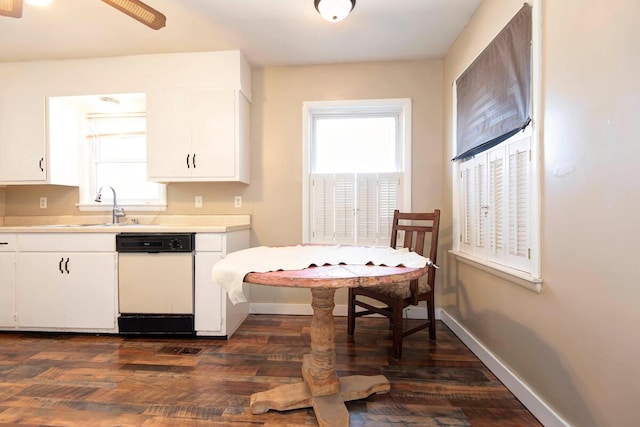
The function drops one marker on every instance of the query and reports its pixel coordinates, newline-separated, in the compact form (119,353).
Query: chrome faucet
(117,211)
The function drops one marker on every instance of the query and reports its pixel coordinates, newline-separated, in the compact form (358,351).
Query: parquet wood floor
(87,380)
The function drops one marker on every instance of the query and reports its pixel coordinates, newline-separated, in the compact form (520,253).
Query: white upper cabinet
(29,154)
(198,112)
(197,134)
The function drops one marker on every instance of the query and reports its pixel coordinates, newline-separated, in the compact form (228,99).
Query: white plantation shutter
(518,206)
(367,211)
(481,208)
(354,209)
(389,196)
(497,206)
(322,212)
(468,205)
(344,190)
(495,191)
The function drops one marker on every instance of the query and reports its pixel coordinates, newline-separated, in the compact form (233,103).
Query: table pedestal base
(330,410)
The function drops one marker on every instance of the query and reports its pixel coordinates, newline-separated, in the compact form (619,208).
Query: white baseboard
(547,416)
(339,310)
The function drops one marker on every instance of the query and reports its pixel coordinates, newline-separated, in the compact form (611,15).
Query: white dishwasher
(156,283)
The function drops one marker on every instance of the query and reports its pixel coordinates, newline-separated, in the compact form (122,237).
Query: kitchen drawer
(66,242)
(209,242)
(7,242)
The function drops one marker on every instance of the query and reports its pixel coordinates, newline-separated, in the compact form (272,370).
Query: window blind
(494,92)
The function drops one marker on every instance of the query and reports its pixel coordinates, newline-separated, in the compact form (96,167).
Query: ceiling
(269,32)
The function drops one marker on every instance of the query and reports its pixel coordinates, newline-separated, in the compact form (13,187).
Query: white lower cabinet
(7,290)
(215,315)
(68,282)
(7,281)
(72,289)
(66,290)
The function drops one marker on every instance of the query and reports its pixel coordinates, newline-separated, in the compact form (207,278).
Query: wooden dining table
(321,388)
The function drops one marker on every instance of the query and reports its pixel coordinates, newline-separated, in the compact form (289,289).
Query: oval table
(321,388)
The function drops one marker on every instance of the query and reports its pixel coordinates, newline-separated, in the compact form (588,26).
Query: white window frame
(87,191)
(528,276)
(400,106)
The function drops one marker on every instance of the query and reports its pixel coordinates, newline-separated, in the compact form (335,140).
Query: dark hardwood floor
(88,380)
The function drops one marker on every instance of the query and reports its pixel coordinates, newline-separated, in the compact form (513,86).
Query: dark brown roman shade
(494,93)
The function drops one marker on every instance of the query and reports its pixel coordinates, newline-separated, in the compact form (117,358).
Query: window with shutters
(495,219)
(355,170)
(497,154)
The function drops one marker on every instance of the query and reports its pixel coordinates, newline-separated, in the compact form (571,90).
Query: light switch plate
(198,202)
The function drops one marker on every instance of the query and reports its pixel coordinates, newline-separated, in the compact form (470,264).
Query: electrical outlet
(237,201)
(43,203)
(198,202)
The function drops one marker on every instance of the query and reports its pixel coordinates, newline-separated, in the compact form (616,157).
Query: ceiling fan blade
(12,8)
(138,11)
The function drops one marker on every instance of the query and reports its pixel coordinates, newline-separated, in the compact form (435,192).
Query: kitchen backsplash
(218,198)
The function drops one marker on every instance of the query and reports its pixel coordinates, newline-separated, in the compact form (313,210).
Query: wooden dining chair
(416,230)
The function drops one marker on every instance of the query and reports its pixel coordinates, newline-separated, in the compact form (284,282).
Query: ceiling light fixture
(334,10)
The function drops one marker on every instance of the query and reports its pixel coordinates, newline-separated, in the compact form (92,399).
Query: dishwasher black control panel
(155,242)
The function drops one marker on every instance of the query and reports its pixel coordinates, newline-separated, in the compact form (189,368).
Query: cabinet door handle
(4,243)
(41,164)
(66,266)
(193,160)
(188,166)
(60,265)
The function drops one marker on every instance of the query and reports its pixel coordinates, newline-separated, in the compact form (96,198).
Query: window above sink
(110,130)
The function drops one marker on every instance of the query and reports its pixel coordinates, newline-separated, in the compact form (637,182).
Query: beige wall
(577,343)
(274,197)
(278,94)
(217,198)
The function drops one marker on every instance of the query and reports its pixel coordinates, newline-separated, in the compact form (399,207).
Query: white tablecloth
(229,272)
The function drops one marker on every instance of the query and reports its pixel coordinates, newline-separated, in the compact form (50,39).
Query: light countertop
(159,224)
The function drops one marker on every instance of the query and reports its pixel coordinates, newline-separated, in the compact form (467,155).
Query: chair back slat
(415,227)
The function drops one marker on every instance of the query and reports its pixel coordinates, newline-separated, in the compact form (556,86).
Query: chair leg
(396,331)
(431,312)
(351,313)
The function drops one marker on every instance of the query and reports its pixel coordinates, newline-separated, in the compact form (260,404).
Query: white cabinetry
(66,281)
(215,315)
(29,150)
(7,280)
(27,154)
(197,134)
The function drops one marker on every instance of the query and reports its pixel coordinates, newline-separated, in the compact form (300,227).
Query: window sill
(517,277)
(103,207)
